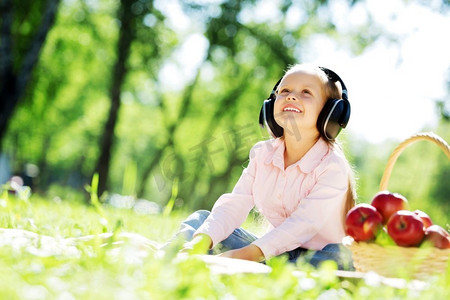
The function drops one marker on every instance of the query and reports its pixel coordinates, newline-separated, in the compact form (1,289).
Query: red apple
(406,228)
(388,203)
(438,237)
(424,217)
(363,222)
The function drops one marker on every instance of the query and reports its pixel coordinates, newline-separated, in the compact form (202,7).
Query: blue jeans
(240,238)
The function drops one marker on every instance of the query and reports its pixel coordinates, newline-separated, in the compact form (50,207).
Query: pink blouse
(303,204)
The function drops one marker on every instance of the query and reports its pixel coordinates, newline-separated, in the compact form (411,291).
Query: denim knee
(192,223)
(239,238)
(203,213)
(197,218)
(336,252)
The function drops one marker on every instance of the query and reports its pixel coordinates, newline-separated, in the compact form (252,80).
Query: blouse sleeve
(231,209)
(325,201)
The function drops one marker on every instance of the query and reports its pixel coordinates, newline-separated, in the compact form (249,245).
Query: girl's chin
(289,121)
(295,126)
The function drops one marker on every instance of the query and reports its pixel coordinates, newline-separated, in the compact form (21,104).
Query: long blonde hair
(333,90)
(350,200)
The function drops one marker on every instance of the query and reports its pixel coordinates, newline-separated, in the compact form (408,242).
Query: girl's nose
(292,96)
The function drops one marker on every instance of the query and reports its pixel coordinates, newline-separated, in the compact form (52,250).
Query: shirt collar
(307,163)
(276,154)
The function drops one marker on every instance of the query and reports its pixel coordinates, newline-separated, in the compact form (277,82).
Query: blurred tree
(127,19)
(24,29)
(139,22)
(65,93)
(60,118)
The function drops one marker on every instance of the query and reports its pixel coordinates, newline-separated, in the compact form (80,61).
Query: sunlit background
(161,98)
(393,85)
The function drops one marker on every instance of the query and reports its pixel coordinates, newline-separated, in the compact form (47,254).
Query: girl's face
(299,100)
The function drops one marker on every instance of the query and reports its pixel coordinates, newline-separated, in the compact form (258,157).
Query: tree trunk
(126,36)
(12,85)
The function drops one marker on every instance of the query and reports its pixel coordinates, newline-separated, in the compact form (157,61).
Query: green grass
(103,271)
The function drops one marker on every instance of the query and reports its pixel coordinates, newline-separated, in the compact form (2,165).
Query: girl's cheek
(277,106)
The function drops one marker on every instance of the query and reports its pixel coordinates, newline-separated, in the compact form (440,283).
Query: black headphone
(333,117)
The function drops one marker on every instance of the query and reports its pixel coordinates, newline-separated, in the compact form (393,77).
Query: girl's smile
(291,108)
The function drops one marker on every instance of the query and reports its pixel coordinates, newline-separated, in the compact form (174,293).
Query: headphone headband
(335,78)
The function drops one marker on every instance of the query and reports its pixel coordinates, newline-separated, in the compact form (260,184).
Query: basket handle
(427,136)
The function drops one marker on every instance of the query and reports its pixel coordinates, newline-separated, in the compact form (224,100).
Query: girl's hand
(250,252)
(200,244)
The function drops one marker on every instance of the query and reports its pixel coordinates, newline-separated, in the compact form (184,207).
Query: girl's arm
(250,252)
(201,243)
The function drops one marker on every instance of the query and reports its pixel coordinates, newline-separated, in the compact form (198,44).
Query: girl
(300,181)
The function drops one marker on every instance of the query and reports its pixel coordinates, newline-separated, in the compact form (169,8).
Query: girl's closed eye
(284,91)
(306,91)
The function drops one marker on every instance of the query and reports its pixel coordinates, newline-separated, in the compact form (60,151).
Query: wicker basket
(394,261)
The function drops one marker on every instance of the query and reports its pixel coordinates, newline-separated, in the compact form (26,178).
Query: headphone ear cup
(333,117)
(267,116)
(345,117)
(261,116)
